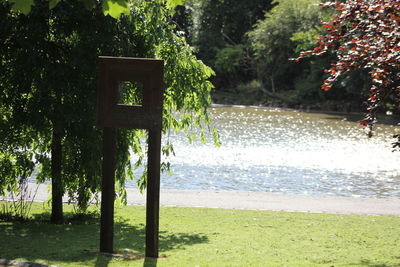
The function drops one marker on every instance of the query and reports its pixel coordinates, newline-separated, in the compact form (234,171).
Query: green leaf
(115,8)
(23,6)
(53,3)
(173,3)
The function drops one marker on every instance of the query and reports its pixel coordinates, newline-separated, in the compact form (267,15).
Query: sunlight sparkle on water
(275,150)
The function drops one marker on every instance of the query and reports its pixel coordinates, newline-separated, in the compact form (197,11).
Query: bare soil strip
(261,201)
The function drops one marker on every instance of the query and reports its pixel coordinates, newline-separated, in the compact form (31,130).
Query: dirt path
(262,201)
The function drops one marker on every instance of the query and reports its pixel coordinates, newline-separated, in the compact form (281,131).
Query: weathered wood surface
(153,193)
(148,72)
(108,191)
(112,115)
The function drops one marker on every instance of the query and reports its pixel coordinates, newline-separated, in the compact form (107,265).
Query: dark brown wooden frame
(148,72)
(111,115)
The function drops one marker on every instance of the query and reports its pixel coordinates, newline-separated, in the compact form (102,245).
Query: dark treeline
(249,43)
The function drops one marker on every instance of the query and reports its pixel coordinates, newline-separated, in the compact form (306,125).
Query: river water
(287,151)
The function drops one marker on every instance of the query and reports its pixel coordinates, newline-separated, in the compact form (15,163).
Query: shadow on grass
(369,263)
(102,260)
(149,262)
(79,241)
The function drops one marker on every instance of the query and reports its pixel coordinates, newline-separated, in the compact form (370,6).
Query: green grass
(210,237)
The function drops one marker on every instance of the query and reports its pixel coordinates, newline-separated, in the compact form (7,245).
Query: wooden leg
(153,193)
(108,191)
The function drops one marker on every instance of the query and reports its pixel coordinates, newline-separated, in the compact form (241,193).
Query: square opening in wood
(130,93)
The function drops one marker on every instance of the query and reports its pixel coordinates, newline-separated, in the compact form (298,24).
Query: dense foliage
(48,79)
(272,43)
(248,43)
(114,8)
(221,41)
(364,35)
(290,27)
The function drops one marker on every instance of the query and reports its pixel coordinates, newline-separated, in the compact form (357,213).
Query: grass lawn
(210,237)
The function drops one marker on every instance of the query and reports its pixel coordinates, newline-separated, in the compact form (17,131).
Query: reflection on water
(275,150)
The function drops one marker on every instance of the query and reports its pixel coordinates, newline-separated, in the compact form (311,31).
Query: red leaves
(363,123)
(326,87)
(395,17)
(364,34)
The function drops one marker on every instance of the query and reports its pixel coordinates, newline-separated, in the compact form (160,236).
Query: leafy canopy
(57,51)
(364,34)
(221,40)
(114,8)
(272,43)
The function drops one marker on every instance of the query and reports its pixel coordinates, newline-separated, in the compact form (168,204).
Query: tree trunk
(273,85)
(56,183)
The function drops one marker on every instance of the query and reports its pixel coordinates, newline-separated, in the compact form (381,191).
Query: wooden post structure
(153,194)
(108,191)
(112,115)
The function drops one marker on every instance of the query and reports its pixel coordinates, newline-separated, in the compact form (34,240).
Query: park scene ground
(105,103)
(208,237)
